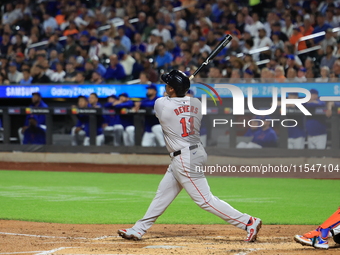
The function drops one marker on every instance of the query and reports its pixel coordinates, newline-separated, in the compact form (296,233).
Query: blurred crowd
(114,41)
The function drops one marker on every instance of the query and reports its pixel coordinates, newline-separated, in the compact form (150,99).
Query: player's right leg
(197,187)
(167,191)
(199,191)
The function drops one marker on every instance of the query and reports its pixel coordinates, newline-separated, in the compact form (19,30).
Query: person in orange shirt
(296,35)
(72,29)
(307,28)
(60,18)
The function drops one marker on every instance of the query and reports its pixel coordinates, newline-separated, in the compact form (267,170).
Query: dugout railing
(8,112)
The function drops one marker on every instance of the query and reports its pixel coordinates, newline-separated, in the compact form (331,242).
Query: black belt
(192,147)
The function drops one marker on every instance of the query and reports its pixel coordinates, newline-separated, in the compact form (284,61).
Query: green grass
(68,197)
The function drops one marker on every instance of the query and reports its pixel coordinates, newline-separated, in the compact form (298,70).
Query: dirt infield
(17,237)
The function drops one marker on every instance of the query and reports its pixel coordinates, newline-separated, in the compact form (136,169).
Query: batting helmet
(178,81)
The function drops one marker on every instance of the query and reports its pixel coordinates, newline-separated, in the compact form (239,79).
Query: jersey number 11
(184,127)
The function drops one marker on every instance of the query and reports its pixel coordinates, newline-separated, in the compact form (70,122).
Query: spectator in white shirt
(59,74)
(126,61)
(204,47)
(255,26)
(106,47)
(11,15)
(14,75)
(262,41)
(47,69)
(152,44)
(288,28)
(324,72)
(179,22)
(162,31)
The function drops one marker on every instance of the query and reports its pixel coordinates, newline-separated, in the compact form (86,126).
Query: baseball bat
(213,54)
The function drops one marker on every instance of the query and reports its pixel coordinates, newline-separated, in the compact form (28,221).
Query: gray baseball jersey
(180,119)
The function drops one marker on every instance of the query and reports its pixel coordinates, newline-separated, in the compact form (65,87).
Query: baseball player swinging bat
(180,117)
(213,54)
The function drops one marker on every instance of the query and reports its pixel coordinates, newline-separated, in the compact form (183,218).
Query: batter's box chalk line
(54,250)
(19,252)
(58,237)
(163,246)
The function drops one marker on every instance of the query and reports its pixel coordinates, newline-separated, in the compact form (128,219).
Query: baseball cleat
(129,234)
(253,229)
(303,240)
(318,232)
(312,234)
(316,242)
